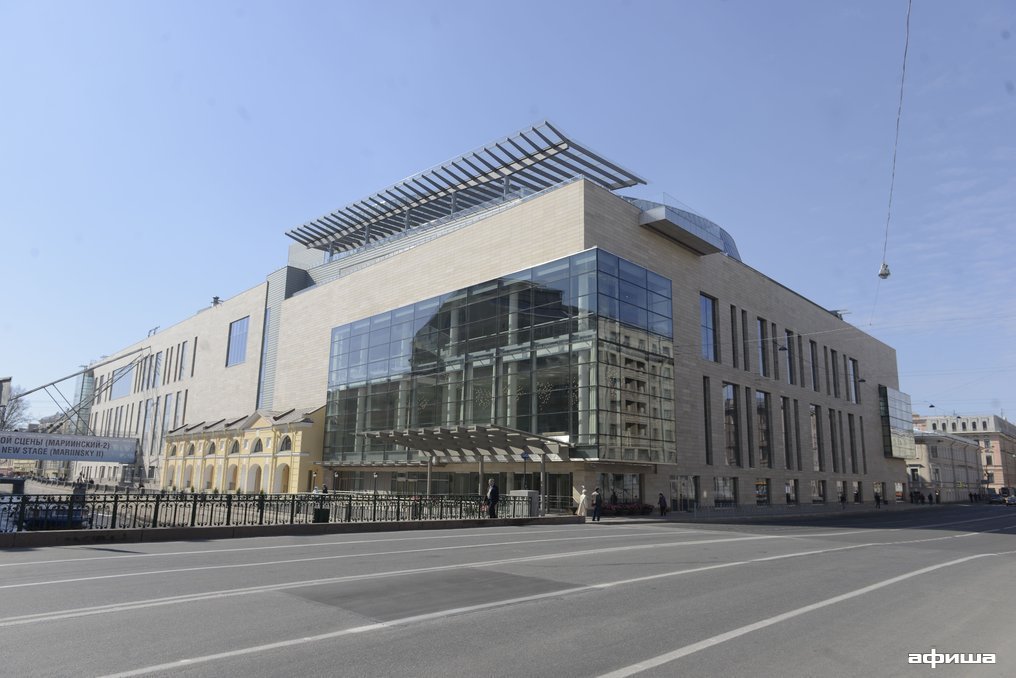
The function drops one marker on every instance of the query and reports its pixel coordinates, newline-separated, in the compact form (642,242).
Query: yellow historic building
(262,452)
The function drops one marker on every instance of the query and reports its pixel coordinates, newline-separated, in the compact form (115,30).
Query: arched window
(211,448)
(172,451)
(286,444)
(235,449)
(190,450)
(258,447)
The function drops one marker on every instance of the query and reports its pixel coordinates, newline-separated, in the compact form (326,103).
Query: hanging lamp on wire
(883,271)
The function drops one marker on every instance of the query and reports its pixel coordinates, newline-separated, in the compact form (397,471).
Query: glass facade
(897,424)
(579,347)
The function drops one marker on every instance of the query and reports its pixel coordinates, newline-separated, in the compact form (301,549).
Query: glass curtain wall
(581,347)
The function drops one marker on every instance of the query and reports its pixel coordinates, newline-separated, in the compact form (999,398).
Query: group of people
(917,497)
(596,500)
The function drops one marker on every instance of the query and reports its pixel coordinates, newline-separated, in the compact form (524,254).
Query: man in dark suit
(492,498)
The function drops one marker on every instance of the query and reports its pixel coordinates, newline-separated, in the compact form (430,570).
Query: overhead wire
(883,272)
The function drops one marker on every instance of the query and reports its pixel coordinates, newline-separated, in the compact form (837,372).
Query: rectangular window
(707,322)
(788,436)
(733,335)
(853,443)
(707,415)
(814,366)
(182,360)
(832,441)
(790,352)
(776,350)
(123,377)
(864,451)
(797,434)
(762,492)
(749,422)
(818,491)
(236,351)
(745,341)
(762,429)
(836,374)
(724,491)
(194,357)
(853,393)
(818,462)
(731,425)
(790,489)
(763,343)
(156,371)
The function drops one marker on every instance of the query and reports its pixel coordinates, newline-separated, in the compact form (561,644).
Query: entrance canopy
(461,444)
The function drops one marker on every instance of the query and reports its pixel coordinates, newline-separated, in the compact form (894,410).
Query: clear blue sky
(153,154)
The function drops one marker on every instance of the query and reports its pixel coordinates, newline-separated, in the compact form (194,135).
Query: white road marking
(668,657)
(240,549)
(226,593)
(627,671)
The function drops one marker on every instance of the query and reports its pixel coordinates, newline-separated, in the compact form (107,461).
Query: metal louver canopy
(533,160)
(469,443)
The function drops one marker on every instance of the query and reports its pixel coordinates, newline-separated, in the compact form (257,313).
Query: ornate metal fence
(120,511)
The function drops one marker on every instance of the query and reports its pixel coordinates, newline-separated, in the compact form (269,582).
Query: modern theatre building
(511,314)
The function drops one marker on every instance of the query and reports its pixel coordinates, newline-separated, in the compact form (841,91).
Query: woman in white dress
(583,503)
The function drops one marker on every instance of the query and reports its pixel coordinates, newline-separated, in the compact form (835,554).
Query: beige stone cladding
(612,223)
(541,229)
(193,380)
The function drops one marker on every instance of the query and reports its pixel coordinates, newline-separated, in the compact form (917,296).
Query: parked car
(1010,500)
(996,499)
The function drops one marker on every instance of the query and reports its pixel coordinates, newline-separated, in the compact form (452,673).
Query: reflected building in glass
(580,349)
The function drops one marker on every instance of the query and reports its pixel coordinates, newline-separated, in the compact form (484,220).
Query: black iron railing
(134,510)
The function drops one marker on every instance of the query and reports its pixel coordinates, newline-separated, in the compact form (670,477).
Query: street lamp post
(525,475)
(335,480)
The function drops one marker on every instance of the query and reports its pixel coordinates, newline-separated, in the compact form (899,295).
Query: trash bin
(321,515)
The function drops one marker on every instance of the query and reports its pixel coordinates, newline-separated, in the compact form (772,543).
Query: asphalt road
(851,595)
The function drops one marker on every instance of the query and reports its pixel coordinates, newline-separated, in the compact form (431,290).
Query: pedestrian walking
(597,504)
(663,505)
(878,500)
(493,496)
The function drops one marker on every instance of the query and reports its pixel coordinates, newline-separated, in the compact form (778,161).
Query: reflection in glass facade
(579,347)
(897,424)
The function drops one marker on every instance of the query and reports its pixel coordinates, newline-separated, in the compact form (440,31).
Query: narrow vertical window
(731,428)
(707,322)
(762,429)
(763,342)
(236,352)
(815,413)
(853,382)
(745,341)
(776,352)
(814,366)
(788,433)
(790,353)
(733,335)
(828,379)
(182,360)
(832,440)
(708,420)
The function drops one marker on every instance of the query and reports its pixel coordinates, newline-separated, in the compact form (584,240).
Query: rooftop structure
(531,161)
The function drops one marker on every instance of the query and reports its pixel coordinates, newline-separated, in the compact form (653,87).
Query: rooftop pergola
(533,160)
